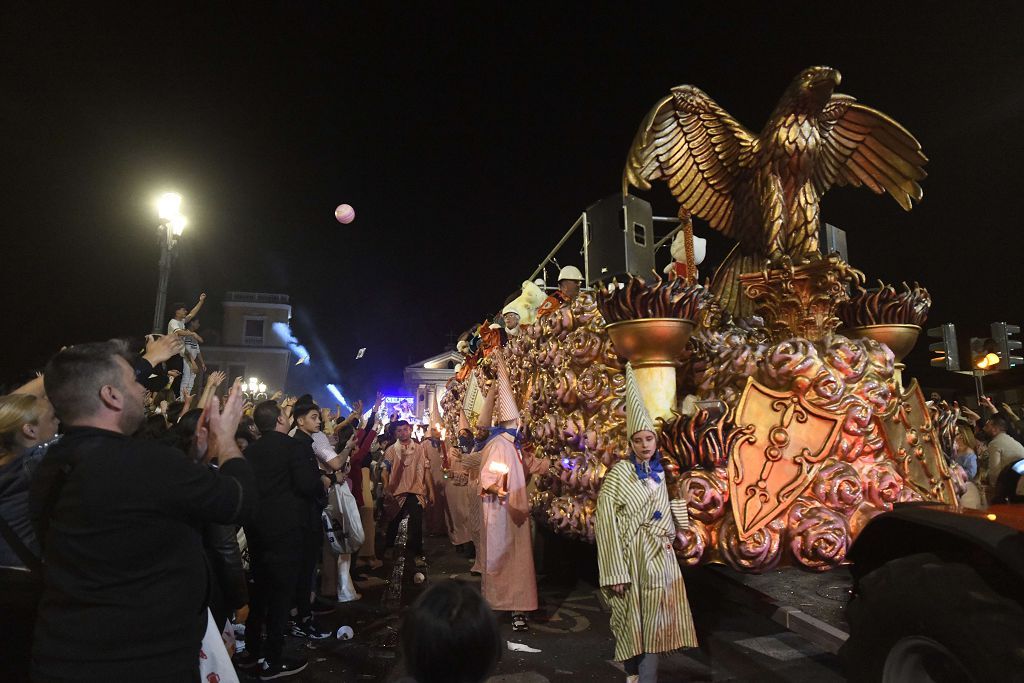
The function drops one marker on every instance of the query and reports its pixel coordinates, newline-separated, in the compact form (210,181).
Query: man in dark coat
(289,484)
(120,521)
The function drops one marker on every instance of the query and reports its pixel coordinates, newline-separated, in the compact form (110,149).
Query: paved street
(738,642)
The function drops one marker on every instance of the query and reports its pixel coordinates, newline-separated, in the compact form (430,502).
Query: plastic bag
(342,525)
(214,662)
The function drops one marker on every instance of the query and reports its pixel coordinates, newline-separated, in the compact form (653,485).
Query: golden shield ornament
(772,466)
(914,443)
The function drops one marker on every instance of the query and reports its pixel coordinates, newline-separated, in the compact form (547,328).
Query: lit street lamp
(172,224)
(255,390)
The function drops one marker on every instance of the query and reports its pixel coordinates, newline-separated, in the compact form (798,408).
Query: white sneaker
(350,598)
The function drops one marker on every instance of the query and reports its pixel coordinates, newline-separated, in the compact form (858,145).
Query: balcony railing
(252,341)
(256,297)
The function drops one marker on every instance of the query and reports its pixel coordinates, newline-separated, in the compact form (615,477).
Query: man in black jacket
(119,520)
(289,484)
(306,420)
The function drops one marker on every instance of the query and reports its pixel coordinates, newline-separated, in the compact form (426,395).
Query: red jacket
(364,439)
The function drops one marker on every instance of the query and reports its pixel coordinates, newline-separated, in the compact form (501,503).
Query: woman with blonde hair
(27,426)
(26,422)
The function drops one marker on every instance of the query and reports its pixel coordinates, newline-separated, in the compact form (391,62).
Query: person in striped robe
(635,525)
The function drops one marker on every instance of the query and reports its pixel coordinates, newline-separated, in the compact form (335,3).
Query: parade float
(785,420)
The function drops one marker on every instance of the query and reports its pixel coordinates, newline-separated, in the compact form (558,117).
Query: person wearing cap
(570,279)
(509,581)
(306,421)
(635,525)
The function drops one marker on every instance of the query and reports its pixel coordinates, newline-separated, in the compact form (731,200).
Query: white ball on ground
(418,577)
(345,633)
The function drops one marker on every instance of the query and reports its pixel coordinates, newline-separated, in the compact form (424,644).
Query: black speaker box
(620,238)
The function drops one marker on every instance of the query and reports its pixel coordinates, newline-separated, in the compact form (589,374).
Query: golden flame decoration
(672,298)
(886,306)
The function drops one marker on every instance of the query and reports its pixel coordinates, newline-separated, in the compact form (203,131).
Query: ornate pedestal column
(653,346)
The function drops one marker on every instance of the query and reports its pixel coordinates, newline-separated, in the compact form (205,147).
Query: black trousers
(312,541)
(414,511)
(275,568)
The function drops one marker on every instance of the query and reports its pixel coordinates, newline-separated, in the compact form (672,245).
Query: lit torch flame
(502,469)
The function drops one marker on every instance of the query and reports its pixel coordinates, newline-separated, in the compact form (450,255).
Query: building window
(252,331)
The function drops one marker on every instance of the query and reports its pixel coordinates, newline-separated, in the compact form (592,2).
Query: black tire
(921,598)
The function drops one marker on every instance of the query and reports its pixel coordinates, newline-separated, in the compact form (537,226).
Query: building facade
(249,345)
(426,380)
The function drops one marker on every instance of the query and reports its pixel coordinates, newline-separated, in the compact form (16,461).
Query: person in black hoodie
(289,485)
(119,521)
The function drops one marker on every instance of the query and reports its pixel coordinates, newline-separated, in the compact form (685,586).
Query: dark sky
(467,141)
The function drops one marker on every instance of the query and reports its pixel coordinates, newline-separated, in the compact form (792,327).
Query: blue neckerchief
(495,431)
(651,468)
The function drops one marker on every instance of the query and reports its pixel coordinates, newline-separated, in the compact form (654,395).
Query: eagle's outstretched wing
(863,146)
(692,144)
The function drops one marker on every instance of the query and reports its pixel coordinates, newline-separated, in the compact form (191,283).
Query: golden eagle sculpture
(765,190)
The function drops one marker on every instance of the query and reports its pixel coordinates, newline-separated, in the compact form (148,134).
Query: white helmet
(570,273)
(512,308)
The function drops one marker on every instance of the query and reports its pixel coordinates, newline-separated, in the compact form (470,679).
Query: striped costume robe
(634,547)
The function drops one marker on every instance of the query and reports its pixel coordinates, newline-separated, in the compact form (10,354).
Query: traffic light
(1005,346)
(947,353)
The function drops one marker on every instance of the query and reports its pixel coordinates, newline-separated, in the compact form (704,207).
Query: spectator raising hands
(222,425)
(119,516)
(161,347)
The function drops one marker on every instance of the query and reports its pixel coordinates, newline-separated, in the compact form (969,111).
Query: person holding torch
(639,574)
(509,582)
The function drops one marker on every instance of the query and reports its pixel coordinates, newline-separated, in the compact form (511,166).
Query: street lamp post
(255,390)
(172,224)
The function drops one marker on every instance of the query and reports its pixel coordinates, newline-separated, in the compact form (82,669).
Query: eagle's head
(814,85)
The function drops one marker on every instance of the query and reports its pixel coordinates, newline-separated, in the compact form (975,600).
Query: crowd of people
(988,447)
(146,511)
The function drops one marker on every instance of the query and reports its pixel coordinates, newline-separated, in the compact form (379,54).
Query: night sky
(467,141)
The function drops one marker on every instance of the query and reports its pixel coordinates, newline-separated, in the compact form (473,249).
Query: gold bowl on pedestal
(647,342)
(899,338)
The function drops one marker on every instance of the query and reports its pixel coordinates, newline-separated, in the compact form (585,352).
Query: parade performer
(635,525)
(463,501)
(436,519)
(570,279)
(509,580)
(511,315)
(410,485)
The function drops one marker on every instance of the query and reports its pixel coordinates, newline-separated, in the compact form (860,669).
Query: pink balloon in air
(345,214)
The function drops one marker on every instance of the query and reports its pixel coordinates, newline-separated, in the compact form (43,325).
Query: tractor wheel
(919,618)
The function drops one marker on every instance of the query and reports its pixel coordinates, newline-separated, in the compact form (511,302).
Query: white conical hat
(637,417)
(435,410)
(469,403)
(505,408)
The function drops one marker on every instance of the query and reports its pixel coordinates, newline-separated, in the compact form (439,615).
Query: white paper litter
(519,647)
